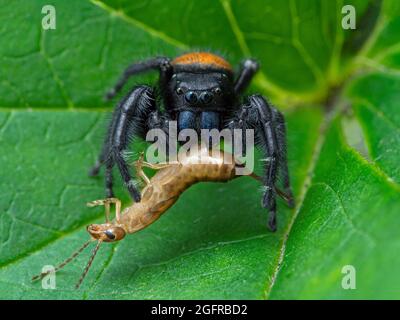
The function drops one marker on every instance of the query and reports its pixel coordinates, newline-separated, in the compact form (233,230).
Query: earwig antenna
(64,263)
(88,265)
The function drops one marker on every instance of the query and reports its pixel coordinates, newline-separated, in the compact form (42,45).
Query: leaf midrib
(305,186)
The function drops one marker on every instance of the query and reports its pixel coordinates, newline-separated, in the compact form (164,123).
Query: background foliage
(340,91)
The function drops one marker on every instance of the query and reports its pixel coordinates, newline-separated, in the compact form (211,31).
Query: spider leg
(133,117)
(284,170)
(268,139)
(109,179)
(95,169)
(248,70)
(160,63)
(269,128)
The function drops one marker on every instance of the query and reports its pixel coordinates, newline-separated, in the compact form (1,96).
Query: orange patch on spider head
(204,58)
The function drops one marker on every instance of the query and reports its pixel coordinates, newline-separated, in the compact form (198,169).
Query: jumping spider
(199,90)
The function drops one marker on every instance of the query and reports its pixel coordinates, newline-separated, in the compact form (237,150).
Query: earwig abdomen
(169,182)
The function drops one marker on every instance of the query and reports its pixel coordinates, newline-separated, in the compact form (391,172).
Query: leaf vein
(305,187)
(57,79)
(345,213)
(263,80)
(140,25)
(308,60)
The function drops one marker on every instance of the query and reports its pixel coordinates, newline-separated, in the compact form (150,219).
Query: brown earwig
(158,195)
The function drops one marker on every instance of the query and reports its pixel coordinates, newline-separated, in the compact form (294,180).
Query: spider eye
(218,90)
(206,97)
(191,97)
(179,90)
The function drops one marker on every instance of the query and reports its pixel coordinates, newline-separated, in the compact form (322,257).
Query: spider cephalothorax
(199,90)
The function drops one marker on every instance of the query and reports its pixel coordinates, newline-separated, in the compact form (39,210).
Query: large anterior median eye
(191,97)
(206,97)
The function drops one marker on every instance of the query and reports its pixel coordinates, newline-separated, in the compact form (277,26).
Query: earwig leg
(103,202)
(139,169)
(106,203)
(107,211)
(117,210)
(155,166)
(140,163)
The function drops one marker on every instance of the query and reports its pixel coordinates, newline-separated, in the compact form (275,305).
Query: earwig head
(106,232)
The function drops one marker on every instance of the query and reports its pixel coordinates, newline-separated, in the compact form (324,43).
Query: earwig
(158,195)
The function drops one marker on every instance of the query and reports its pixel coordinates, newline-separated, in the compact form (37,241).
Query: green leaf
(351,207)
(45,215)
(348,217)
(376,99)
(213,243)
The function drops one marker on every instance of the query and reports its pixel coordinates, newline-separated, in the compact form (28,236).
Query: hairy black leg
(109,180)
(267,136)
(160,120)
(239,121)
(160,63)
(268,125)
(248,70)
(94,171)
(130,119)
(284,170)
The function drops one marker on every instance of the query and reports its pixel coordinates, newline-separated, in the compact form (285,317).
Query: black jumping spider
(199,91)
